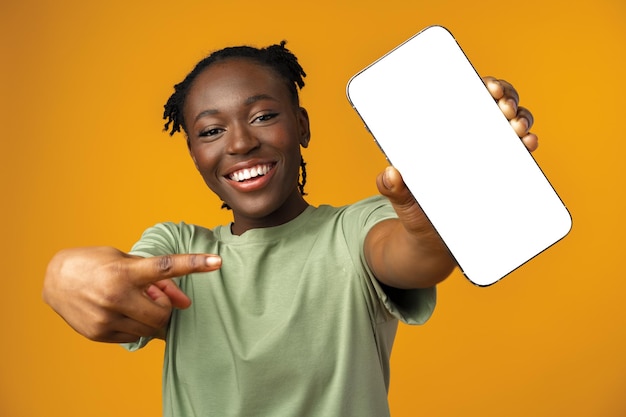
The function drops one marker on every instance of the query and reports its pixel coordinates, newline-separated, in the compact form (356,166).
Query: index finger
(504,94)
(146,271)
(494,86)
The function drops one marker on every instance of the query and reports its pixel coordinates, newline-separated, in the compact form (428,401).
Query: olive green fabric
(293,324)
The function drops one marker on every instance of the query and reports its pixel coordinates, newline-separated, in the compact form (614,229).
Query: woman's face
(244,134)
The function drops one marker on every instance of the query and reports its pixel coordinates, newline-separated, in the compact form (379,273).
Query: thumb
(391,185)
(145,271)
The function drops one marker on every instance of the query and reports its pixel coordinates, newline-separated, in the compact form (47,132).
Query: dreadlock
(276,57)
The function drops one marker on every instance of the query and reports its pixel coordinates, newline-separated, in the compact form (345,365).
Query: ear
(305,127)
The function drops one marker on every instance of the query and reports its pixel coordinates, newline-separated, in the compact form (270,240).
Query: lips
(249,173)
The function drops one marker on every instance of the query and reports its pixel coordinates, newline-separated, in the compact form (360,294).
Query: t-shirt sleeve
(414,306)
(155,241)
(161,239)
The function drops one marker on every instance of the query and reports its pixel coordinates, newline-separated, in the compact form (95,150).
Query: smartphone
(432,116)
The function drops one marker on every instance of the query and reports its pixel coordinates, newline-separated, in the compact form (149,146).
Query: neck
(287,212)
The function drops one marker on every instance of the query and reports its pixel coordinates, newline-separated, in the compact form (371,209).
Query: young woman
(290,310)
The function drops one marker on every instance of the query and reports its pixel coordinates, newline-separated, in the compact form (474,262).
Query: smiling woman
(299,312)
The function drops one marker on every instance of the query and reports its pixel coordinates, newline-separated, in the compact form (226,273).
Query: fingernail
(526,124)
(213,261)
(387,178)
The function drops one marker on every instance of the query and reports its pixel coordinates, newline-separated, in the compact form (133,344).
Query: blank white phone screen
(436,122)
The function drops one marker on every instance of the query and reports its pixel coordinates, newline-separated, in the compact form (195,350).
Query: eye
(211,132)
(264,117)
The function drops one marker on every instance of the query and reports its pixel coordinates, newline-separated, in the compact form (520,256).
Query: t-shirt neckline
(224,232)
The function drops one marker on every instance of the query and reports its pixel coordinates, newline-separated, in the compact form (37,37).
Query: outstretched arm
(408,252)
(110,296)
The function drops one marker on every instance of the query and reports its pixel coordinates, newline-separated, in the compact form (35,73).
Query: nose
(242,140)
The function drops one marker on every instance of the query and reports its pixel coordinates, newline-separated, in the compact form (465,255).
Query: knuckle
(100,329)
(162,320)
(109,291)
(153,320)
(97,336)
(408,204)
(194,261)
(165,264)
(110,299)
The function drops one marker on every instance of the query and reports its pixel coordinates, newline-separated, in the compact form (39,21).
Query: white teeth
(246,174)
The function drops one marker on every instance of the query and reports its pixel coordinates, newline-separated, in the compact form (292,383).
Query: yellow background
(84,162)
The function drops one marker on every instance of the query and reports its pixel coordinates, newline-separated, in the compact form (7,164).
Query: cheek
(204,162)
(287,139)
(209,177)
(205,167)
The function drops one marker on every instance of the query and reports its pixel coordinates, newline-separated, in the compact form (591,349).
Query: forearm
(407,260)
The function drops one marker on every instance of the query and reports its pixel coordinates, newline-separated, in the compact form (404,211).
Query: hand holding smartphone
(435,121)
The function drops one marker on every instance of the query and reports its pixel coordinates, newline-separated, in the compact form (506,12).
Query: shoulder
(374,203)
(177,230)
(369,204)
(351,222)
(170,237)
(365,212)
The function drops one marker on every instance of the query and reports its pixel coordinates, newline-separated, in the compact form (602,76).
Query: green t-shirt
(293,324)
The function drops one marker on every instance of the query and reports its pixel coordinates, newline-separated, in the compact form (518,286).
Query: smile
(249,173)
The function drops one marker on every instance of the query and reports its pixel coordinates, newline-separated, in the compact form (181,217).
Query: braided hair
(276,57)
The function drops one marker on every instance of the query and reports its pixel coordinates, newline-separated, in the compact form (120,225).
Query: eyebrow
(259,97)
(250,100)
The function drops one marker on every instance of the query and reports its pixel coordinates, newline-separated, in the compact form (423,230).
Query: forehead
(227,86)
(234,76)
